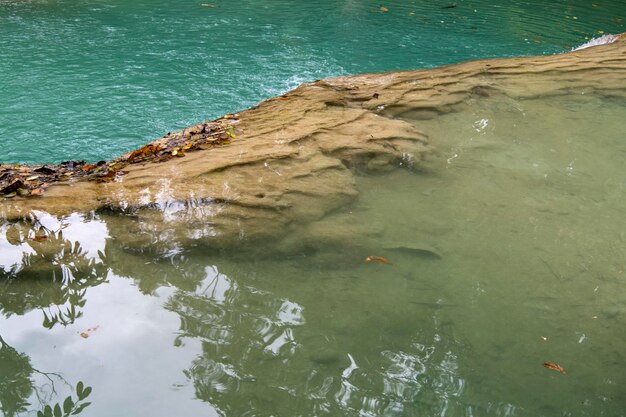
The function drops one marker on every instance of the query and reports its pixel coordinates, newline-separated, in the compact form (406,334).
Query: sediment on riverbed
(292,159)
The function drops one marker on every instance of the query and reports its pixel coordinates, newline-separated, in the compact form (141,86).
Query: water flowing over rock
(293,159)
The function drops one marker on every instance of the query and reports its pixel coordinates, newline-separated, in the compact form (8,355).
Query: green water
(92,79)
(506,250)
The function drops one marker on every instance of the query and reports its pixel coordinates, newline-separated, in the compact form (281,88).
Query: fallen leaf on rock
(44,170)
(554,367)
(143,152)
(12,187)
(109,176)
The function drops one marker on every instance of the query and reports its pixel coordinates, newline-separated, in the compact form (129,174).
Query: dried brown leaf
(554,367)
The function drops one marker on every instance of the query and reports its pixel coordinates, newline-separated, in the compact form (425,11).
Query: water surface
(505,248)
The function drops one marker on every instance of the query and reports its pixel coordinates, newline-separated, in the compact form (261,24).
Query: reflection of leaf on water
(53,274)
(69,407)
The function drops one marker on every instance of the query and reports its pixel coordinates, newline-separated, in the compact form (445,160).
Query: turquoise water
(91,79)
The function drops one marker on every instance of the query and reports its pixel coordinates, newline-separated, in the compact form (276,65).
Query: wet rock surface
(293,159)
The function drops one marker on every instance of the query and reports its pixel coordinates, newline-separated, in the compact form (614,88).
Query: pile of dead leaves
(32,180)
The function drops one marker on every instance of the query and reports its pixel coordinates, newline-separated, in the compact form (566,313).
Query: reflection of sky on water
(90,233)
(11,255)
(130,359)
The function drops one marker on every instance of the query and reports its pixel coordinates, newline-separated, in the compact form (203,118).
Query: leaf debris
(18,180)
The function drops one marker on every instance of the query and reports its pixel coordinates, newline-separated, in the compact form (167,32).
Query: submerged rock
(416,248)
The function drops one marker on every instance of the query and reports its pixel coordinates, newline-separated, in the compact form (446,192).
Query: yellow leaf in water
(384,9)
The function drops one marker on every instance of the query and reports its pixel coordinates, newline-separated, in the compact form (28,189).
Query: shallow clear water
(92,79)
(506,250)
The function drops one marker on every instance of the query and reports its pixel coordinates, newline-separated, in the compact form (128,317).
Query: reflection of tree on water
(52,275)
(259,359)
(18,384)
(240,332)
(149,252)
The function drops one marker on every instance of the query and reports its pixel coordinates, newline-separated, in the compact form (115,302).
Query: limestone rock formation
(293,158)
